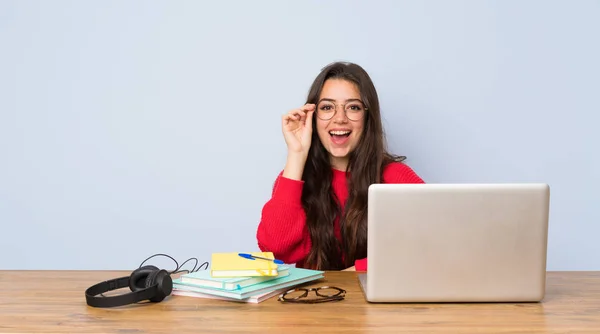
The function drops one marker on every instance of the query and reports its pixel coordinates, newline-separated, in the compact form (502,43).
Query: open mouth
(339,137)
(340,134)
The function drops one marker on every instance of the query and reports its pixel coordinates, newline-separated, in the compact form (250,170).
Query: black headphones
(146,283)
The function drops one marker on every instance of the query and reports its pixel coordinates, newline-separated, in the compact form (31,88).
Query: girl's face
(340,120)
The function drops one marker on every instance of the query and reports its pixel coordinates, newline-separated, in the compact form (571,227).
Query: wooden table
(53,301)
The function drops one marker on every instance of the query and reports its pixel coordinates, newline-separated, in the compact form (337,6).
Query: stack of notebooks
(236,278)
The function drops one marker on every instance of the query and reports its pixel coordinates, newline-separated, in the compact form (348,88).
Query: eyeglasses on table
(322,294)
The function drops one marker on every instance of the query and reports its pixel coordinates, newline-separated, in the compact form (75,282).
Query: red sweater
(282,229)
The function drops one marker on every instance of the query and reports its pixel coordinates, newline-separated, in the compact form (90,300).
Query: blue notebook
(205,279)
(296,276)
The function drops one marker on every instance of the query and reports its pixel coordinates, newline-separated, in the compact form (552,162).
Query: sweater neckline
(339,174)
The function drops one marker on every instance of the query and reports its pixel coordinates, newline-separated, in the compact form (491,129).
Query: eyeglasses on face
(323,294)
(354,110)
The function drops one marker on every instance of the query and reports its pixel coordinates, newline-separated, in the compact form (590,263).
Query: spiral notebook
(252,299)
(233,265)
(204,278)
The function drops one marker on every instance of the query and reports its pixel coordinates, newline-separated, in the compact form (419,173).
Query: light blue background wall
(134,127)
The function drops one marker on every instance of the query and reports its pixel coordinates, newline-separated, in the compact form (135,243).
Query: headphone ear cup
(151,279)
(164,282)
(137,279)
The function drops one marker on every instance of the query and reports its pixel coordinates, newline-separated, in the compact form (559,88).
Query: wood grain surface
(54,302)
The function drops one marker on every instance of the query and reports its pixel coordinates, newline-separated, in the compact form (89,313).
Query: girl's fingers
(309,107)
(298,114)
(309,117)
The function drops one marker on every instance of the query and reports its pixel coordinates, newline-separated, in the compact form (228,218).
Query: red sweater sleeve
(282,228)
(393,173)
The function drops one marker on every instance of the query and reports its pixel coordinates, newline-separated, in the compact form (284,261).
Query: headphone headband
(119,300)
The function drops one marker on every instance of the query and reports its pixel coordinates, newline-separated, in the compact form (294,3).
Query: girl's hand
(297,129)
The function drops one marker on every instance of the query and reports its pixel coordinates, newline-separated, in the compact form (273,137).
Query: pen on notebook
(254,257)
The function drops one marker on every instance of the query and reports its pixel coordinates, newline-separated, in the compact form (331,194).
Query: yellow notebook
(233,265)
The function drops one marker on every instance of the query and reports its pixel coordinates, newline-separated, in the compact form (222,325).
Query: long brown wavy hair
(366,164)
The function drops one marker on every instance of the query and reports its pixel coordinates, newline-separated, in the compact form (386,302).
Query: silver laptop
(456,243)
